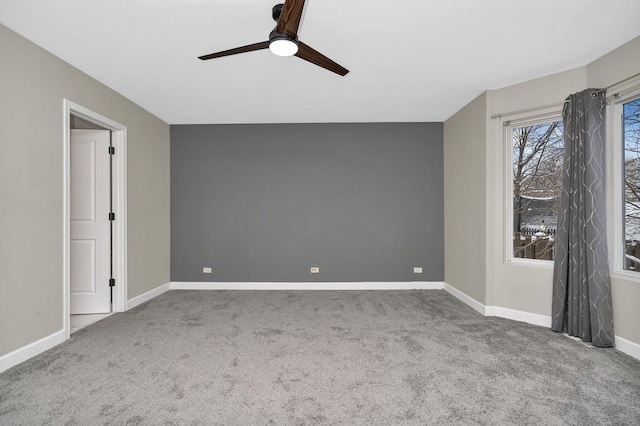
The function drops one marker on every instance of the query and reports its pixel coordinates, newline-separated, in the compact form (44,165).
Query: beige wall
(514,285)
(464,199)
(33,84)
(615,66)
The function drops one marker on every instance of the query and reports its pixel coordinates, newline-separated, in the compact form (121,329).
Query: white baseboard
(627,346)
(623,345)
(145,297)
(512,314)
(497,311)
(24,353)
(473,303)
(32,349)
(406,285)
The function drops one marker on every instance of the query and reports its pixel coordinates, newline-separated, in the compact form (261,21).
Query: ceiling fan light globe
(283,47)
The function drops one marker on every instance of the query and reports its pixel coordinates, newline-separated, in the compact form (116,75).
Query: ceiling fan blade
(243,49)
(308,54)
(290,16)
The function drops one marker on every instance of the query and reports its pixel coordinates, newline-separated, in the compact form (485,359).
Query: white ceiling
(410,60)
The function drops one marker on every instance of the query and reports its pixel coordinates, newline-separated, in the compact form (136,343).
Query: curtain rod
(624,92)
(619,82)
(536,108)
(558,104)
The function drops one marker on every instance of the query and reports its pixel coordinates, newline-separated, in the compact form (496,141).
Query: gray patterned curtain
(581,287)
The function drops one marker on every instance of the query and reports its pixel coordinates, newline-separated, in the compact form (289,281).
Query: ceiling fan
(283,40)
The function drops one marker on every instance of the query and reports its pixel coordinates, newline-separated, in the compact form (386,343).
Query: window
(537,148)
(631,144)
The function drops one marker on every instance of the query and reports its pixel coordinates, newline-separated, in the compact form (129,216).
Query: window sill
(532,263)
(626,275)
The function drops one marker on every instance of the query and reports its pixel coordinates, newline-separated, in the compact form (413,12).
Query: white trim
(628,347)
(24,353)
(614,188)
(468,300)
(410,285)
(66,221)
(550,113)
(145,297)
(32,349)
(497,311)
(119,140)
(522,316)
(120,230)
(614,182)
(623,345)
(530,263)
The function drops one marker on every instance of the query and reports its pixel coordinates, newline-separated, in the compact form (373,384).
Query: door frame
(119,193)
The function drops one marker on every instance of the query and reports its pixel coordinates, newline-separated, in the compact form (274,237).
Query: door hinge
(112,150)
(112,282)
(112,216)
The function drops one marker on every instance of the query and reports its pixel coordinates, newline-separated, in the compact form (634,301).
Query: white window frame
(615,184)
(508,126)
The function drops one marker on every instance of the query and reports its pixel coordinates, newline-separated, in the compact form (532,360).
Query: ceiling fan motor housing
(276,11)
(275,35)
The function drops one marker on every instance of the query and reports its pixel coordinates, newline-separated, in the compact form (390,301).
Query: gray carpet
(319,357)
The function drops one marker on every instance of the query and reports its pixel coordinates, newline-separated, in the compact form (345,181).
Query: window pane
(537,181)
(631,138)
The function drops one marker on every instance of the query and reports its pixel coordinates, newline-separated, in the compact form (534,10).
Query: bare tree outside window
(537,152)
(631,138)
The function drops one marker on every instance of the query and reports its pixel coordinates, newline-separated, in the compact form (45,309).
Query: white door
(90,229)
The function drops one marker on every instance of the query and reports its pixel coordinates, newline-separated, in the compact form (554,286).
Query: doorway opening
(94,252)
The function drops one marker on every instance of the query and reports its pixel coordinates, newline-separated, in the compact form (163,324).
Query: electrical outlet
(206,270)
(315,270)
(417,269)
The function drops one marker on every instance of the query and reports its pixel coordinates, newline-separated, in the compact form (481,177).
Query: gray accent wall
(266,202)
